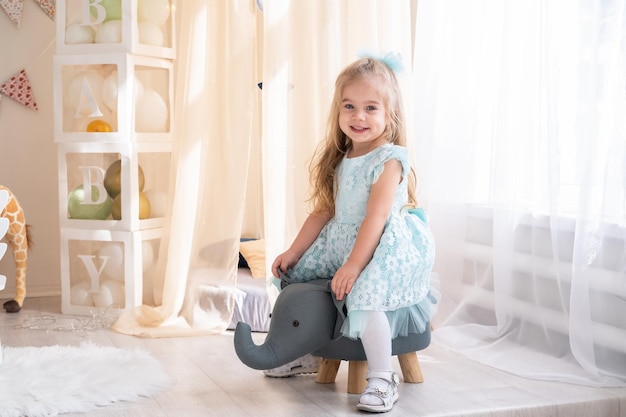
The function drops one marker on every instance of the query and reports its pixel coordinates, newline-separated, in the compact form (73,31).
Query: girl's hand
(344,279)
(284,261)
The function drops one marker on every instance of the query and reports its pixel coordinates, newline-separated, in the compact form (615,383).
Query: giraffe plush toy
(18,237)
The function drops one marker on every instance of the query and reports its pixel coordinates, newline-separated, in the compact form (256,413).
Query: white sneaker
(308,364)
(381,392)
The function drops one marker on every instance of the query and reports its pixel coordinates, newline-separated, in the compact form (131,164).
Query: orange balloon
(98,126)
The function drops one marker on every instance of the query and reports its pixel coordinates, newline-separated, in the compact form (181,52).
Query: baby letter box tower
(113,95)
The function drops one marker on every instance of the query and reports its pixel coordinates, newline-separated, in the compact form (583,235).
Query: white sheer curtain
(520,114)
(216,119)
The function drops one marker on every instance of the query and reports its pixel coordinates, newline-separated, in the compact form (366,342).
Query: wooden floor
(211,381)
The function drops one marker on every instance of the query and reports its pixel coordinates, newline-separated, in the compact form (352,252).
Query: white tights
(376,339)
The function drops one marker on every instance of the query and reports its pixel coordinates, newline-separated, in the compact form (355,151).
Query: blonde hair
(336,144)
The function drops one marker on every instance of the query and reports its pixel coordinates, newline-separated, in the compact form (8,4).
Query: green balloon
(112,9)
(77,209)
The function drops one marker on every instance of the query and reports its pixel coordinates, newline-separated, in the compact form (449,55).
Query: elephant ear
(284,279)
(342,312)
(302,322)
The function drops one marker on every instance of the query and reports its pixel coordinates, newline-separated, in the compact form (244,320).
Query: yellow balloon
(144,207)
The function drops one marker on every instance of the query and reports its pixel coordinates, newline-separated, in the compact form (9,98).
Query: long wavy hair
(336,144)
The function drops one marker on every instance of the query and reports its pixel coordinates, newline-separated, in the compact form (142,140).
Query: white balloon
(150,34)
(77,33)
(138,89)
(153,11)
(113,252)
(111,294)
(109,32)
(109,91)
(151,114)
(80,294)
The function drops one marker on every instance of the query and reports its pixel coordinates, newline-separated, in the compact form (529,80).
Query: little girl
(364,230)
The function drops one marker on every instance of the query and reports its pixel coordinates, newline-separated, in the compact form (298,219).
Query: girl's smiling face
(362,115)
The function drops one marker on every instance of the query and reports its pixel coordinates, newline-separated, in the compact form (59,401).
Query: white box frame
(129,155)
(130,33)
(133,266)
(126,105)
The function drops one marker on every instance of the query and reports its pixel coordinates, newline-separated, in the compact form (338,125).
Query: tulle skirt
(402,321)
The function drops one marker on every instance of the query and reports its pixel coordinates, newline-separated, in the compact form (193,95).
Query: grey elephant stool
(306,319)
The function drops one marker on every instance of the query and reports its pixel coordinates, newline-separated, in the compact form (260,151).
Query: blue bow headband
(392,59)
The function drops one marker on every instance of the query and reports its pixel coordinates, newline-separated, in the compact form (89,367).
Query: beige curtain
(215,121)
(304,45)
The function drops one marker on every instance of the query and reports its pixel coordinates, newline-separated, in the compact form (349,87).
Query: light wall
(28,158)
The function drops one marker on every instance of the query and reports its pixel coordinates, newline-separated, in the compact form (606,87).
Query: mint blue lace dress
(397,279)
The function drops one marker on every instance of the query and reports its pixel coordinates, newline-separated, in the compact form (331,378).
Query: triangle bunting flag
(48,6)
(13,8)
(18,88)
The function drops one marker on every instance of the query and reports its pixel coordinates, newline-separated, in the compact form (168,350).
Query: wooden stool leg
(328,371)
(357,371)
(411,371)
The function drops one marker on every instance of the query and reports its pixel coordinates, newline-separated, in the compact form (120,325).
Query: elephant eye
(295,323)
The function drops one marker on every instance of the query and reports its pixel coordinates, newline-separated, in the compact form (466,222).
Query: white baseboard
(44,291)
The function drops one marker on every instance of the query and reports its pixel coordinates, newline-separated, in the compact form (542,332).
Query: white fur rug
(46,381)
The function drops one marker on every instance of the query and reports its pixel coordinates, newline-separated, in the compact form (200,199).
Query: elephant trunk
(255,356)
